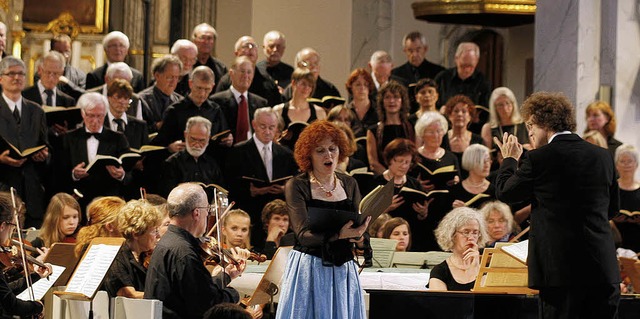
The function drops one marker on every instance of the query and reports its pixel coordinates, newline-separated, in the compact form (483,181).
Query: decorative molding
(497,13)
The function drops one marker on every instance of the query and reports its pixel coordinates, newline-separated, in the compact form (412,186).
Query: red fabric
(242,124)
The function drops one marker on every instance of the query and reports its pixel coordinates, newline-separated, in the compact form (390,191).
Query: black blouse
(441,271)
(629,226)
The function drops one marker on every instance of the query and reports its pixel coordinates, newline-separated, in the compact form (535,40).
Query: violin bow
(143,193)
(215,226)
(21,245)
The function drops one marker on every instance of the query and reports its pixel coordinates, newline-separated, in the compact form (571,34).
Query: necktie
(242,124)
(49,94)
(120,124)
(16,115)
(416,74)
(266,158)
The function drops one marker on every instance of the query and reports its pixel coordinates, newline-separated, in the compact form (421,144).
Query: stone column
(567,51)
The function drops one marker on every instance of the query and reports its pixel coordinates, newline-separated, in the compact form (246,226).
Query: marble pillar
(567,51)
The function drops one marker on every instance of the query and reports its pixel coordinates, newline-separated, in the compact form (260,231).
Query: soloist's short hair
(455,219)
(551,111)
(315,133)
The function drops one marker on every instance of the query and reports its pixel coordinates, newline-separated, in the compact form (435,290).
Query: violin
(213,255)
(12,262)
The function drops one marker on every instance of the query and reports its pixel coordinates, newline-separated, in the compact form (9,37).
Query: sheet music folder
(62,254)
(92,268)
(270,283)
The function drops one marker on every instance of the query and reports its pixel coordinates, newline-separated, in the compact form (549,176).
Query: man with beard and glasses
(193,164)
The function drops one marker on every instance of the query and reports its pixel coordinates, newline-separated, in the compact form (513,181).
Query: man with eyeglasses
(261,83)
(176,274)
(171,134)
(45,91)
(116,48)
(573,190)
(192,164)
(24,126)
(204,36)
(81,146)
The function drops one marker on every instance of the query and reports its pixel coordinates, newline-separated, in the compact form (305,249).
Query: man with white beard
(192,164)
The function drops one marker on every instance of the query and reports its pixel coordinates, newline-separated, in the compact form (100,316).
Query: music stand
(269,285)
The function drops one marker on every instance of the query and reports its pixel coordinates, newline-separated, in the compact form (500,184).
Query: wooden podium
(502,273)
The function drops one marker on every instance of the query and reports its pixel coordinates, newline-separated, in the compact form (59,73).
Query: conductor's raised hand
(509,147)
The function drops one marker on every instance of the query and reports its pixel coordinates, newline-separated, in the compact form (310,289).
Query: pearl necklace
(327,193)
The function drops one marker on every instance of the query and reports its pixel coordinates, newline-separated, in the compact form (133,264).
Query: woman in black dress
(504,117)
(460,110)
(627,223)
(474,190)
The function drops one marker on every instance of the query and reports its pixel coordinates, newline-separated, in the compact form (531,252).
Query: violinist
(176,274)
(138,222)
(61,221)
(9,304)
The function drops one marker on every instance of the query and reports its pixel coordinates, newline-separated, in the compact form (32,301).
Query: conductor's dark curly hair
(315,133)
(550,110)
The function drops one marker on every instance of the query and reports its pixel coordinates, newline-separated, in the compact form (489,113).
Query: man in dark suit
(46,92)
(204,37)
(465,79)
(81,146)
(138,107)
(261,84)
(259,158)
(235,98)
(116,48)
(414,45)
(23,124)
(167,71)
(273,46)
(573,190)
(117,120)
(192,164)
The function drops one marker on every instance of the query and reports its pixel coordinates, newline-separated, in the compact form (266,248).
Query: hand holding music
(115,172)
(41,155)
(79,172)
(422,209)
(353,234)
(176,146)
(457,203)
(396,202)
(509,147)
(226,141)
(8,160)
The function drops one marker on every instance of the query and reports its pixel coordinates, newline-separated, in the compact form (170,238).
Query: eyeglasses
(469,233)
(14,74)
(209,208)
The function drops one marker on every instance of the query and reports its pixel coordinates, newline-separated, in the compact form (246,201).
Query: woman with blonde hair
(499,221)
(462,232)
(504,117)
(102,219)
(138,222)
(236,229)
(60,223)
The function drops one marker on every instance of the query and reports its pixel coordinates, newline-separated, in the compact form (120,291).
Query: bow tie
(96,135)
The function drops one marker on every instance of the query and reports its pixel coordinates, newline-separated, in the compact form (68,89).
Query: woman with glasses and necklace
(462,232)
(321,277)
(138,222)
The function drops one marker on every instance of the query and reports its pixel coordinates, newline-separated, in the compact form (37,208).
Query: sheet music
(92,269)
(41,286)
(519,250)
(383,250)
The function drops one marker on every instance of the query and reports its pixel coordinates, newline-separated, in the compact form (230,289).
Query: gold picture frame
(92,17)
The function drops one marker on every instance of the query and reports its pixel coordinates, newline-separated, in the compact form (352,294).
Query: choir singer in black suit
(263,159)
(81,146)
(23,124)
(572,187)
(45,91)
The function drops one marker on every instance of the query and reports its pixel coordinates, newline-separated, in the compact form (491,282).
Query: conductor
(572,187)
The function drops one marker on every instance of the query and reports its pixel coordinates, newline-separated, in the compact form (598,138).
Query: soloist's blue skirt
(311,290)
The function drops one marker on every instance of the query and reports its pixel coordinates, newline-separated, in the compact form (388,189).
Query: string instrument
(11,259)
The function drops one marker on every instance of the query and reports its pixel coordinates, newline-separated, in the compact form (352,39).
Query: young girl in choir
(235,229)
(398,228)
(61,221)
